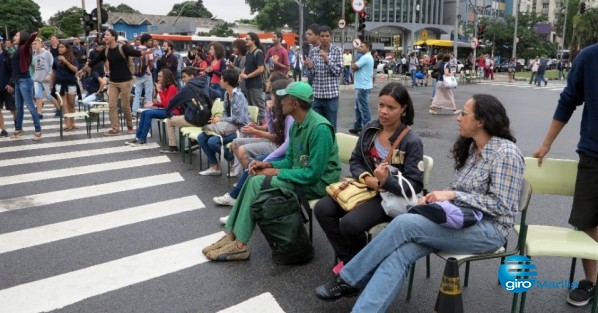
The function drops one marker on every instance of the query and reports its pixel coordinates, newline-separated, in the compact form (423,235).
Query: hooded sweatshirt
(186,93)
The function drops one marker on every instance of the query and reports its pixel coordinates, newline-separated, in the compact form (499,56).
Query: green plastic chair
(556,177)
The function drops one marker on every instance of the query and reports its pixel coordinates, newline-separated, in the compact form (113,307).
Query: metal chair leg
(410,283)
(572,271)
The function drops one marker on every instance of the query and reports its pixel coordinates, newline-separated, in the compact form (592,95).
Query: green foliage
(17,15)
(68,21)
(122,8)
(222,30)
(190,9)
(47,31)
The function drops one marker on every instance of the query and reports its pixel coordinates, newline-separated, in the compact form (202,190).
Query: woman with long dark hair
(217,66)
(166,88)
(487,183)
(23,84)
(64,79)
(200,63)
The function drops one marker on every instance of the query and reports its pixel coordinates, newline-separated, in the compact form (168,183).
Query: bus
(183,43)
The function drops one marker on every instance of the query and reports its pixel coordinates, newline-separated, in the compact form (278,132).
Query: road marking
(265,302)
(75,154)
(81,170)
(86,192)
(58,144)
(86,225)
(59,291)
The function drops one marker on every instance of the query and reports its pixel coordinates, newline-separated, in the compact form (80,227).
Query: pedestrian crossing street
(553,85)
(76,215)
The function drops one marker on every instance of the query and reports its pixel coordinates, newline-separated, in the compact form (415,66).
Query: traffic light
(481,30)
(582,7)
(88,23)
(362,16)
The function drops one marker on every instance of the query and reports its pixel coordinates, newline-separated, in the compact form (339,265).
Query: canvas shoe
(131,142)
(170,150)
(219,244)
(335,289)
(225,200)
(211,172)
(237,169)
(229,252)
(581,295)
(130,130)
(3,133)
(223,220)
(112,132)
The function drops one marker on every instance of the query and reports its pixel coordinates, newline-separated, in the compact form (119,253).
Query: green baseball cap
(299,90)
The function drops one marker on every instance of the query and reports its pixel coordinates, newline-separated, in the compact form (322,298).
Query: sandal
(16,134)
(74,127)
(37,136)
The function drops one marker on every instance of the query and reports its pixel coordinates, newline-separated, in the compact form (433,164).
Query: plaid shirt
(491,182)
(326,75)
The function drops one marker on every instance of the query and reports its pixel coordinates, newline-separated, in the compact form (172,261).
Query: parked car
(552,64)
(503,67)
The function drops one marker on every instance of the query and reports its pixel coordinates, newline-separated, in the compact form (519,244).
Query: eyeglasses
(465,114)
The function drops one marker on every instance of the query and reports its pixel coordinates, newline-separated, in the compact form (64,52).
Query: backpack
(141,65)
(198,110)
(266,73)
(122,53)
(279,216)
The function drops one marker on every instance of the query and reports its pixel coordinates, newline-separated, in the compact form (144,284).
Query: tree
(121,8)
(222,30)
(47,31)
(190,9)
(17,15)
(68,21)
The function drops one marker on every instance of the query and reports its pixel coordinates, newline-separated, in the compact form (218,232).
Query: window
(124,34)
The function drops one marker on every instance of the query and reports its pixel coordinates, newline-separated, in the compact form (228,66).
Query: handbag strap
(396,143)
(342,187)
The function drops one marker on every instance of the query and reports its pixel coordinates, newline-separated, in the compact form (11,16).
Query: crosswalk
(56,192)
(551,86)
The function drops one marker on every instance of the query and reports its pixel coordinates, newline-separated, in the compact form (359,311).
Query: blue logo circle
(517,274)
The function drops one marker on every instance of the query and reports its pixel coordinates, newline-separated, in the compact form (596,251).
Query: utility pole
(456,36)
(99,15)
(343,30)
(560,54)
(515,39)
(300,3)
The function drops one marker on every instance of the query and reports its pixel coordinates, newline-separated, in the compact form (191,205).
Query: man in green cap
(311,161)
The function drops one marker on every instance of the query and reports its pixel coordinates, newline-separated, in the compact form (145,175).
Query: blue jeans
(142,83)
(24,95)
(211,145)
(381,267)
(145,122)
(220,90)
(540,77)
(234,193)
(88,99)
(328,108)
(347,74)
(413,81)
(362,108)
(434,87)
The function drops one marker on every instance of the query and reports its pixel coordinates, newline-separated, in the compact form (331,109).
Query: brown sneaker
(229,252)
(219,244)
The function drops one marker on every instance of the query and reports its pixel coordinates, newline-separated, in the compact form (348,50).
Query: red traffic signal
(362,16)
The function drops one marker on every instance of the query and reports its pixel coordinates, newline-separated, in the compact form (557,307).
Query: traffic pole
(449,294)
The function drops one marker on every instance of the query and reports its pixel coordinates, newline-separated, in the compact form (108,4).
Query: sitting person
(488,181)
(311,161)
(183,97)
(280,125)
(93,85)
(235,113)
(346,230)
(167,88)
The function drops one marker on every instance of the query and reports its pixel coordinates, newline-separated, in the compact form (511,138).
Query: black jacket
(412,167)
(186,93)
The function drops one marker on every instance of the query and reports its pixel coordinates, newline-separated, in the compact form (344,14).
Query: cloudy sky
(228,10)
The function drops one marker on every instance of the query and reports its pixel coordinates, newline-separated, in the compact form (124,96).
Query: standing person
(444,99)
(6,98)
(489,188)
(240,51)
(157,58)
(80,52)
(23,84)
(580,89)
(311,161)
(312,36)
(346,231)
(541,71)
(64,80)
(363,87)
(413,64)
(376,62)
(347,60)
(534,66)
(216,66)
(120,79)
(143,77)
(561,68)
(436,72)
(481,66)
(277,56)
(511,66)
(42,75)
(325,66)
(54,45)
(297,63)
(252,74)
(169,59)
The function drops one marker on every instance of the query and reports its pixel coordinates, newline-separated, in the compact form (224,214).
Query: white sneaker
(225,200)
(211,172)
(237,168)
(223,220)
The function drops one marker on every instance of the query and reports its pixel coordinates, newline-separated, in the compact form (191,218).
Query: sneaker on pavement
(138,143)
(237,169)
(433,111)
(57,113)
(457,111)
(211,172)
(170,150)
(229,252)
(3,133)
(223,220)
(112,132)
(219,244)
(225,200)
(355,131)
(335,289)
(131,142)
(581,295)
(41,116)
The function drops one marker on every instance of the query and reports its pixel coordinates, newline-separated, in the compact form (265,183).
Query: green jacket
(312,156)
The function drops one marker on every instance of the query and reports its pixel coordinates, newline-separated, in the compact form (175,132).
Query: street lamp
(515,39)
(300,3)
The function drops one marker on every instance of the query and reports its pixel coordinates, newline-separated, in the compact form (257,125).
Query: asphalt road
(94,226)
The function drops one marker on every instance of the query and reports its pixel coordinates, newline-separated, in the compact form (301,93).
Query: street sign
(342,23)
(356,43)
(473,42)
(358,5)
